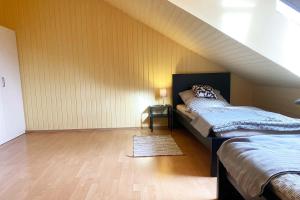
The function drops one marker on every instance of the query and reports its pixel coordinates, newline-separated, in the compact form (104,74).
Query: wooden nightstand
(161,111)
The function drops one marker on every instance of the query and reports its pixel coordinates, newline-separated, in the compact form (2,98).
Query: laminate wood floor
(95,165)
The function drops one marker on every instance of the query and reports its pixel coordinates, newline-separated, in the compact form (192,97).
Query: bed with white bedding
(253,164)
(216,115)
(182,82)
(199,120)
(213,125)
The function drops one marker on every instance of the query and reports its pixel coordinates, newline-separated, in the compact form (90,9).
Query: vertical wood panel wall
(85,64)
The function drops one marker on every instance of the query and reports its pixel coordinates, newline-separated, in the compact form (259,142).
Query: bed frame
(181,82)
(227,190)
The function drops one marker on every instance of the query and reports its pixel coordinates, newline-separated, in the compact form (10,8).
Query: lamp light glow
(163,94)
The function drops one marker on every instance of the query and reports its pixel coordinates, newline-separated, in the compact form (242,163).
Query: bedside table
(161,111)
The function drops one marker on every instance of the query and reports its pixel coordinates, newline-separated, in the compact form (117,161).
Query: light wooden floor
(95,165)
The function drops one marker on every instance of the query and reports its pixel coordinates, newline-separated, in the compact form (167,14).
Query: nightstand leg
(171,122)
(151,124)
(170,119)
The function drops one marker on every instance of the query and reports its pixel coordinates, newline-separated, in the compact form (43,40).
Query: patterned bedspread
(287,186)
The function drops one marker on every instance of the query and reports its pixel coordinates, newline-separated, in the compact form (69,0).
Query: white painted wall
(12,122)
(255,23)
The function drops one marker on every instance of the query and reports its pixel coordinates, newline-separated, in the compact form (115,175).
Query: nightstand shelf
(161,111)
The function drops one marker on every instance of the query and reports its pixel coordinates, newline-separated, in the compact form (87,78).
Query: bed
(260,167)
(181,82)
(212,125)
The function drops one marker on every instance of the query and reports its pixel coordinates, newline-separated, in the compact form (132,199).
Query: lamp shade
(297,102)
(163,92)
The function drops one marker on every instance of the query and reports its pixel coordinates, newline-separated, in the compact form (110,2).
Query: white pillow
(186,96)
(195,103)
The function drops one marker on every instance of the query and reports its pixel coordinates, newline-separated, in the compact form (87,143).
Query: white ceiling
(197,35)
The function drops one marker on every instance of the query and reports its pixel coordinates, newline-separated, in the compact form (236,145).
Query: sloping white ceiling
(197,35)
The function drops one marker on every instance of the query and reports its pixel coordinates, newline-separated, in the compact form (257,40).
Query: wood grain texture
(85,64)
(95,165)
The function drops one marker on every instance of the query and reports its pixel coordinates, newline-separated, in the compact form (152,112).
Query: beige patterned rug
(156,145)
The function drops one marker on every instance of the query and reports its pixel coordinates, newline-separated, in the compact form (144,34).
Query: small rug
(156,145)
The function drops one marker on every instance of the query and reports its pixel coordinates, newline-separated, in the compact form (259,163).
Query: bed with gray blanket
(235,118)
(213,121)
(257,163)
(222,123)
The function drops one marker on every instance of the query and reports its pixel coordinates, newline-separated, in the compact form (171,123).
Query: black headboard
(219,81)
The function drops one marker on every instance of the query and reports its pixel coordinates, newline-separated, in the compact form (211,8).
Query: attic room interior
(150,99)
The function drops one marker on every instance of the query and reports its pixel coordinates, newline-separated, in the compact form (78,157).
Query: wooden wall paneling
(86,64)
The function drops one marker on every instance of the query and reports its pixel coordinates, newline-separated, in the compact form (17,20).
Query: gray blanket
(221,119)
(254,161)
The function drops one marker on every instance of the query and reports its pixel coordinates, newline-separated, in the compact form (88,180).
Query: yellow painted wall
(278,99)
(241,91)
(85,64)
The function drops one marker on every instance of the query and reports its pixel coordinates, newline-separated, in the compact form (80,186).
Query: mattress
(182,108)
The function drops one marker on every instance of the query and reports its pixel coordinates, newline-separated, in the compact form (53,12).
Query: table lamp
(163,94)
